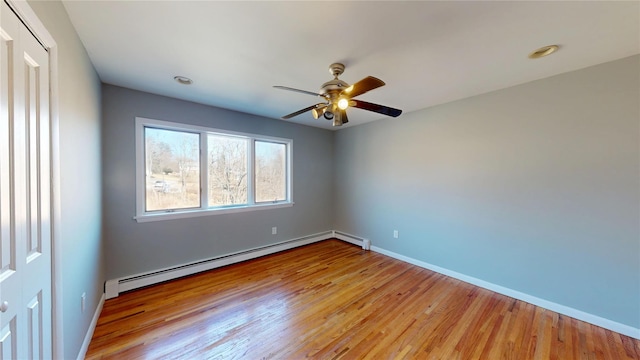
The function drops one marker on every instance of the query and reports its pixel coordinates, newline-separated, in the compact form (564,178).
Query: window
(271,170)
(172,172)
(240,172)
(227,165)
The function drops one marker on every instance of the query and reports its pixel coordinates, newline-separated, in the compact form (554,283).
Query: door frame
(33,23)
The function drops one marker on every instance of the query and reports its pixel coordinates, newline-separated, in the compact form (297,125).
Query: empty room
(320,179)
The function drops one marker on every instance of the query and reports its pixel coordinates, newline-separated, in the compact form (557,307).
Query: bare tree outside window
(172,171)
(270,171)
(227,170)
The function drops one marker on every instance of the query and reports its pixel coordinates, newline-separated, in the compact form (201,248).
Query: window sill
(183,214)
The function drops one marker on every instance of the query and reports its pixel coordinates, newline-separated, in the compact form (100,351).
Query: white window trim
(143,216)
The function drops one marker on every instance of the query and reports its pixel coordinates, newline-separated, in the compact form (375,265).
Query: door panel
(10,284)
(8,346)
(34,324)
(25,200)
(8,240)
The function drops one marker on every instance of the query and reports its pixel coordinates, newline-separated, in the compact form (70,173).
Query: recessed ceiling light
(544,51)
(183,80)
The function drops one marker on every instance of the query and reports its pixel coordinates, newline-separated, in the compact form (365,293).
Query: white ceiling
(427,52)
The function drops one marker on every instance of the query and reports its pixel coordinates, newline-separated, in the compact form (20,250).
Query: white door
(25,193)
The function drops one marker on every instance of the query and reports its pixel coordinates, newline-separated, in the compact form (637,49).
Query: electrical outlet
(395,234)
(83,300)
(274,230)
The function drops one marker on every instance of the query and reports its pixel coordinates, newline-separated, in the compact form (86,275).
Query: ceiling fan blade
(377,108)
(298,90)
(362,86)
(302,111)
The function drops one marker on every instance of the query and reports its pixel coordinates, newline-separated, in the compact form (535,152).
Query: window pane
(271,171)
(227,170)
(172,169)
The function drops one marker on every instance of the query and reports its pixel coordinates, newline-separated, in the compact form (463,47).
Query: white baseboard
(115,286)
(561,309)
(92,328)
(352,239)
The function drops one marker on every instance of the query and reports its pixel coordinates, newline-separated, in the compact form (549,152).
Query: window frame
(204,210)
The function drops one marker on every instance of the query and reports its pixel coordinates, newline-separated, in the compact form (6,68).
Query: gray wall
(133,247)
(82,265)
(534,187)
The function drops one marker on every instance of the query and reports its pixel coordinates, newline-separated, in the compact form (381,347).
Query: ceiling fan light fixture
(343,103)
(337,119)
(330,111)
(319,111)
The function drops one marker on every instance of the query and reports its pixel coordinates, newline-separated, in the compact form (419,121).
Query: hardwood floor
(331,300)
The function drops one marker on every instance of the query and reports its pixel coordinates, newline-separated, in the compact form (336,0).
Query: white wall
(82,264)
(535,188)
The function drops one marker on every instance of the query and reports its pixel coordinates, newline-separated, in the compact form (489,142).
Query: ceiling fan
(338,96)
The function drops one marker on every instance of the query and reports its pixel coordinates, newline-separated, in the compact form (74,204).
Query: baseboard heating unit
(114,287)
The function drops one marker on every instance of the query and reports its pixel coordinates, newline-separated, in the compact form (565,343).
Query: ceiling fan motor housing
(333,88)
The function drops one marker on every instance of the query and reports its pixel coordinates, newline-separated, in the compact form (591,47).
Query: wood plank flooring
(331,300)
